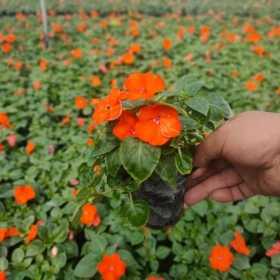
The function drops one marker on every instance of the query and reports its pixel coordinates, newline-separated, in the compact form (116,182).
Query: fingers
(211,148)
(203,173)
(225,178)
(237,192)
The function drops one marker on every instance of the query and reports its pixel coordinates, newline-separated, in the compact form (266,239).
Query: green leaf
(35,248)
(183,163)
(104,148)
(167,170)
(3,264)
(113,182)
(85,173)
(77,215)
(136,213)
(200,208)
(138,158)
(162,252)
(188,124)
(129,105)
(275,261)
(128,259)
(259,270)
(83,195)
(112,161)
(219,108)
(131,186)
(188,84)
(241,262)
(168,93)
(273,209)
(17,255)
(86,267)
(198,103)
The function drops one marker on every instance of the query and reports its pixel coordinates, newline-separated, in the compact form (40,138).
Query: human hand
(238,160)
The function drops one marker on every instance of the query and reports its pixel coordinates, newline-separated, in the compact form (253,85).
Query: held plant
(146,147)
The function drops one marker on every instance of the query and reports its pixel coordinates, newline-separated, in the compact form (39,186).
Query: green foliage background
(182,253)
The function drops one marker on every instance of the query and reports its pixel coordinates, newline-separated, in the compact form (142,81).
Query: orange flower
(239,244)
(32,233)
(258,49)
(205,30)
(155,278)
(24,193)
(191,29)
(251,86)
(94,101)
(94,14)
(134,32)
(167,44)
(2,275)
(135,48)
(277,91)
(167,62)
(80,102)
(157,124)
(274,250)
(1,147)
(13,232)
(91,127)
(234,74)
(110,52)
(66,120)
(180,32)
(128,58)
(126,126)
(221,258)
(57,28)
(6,48)
(18,65)
(49,108)
(108,108)
(77,53)
(259,77)
(104,24)
(44,64)
(36,85)
(90,215)
(143,85)
(30,147)
(114,83)
(4,121)
(95,81)
(74,192)
(189,57)
(81,28)
(111,267)
(3,232)
(90,142)
(81,122)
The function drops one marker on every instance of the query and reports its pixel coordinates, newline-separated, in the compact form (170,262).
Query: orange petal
(146,130)
(170,127)
(135,82)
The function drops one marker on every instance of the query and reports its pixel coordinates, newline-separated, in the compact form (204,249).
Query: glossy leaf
(136,213)
(112,161)
(138,158)
(183,163)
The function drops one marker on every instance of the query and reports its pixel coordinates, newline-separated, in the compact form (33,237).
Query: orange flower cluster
(155,124)
(90,215)
(7,41)
(111,267)
(24,193)
(4,121)
(274,250)
(221,257)
(6,233)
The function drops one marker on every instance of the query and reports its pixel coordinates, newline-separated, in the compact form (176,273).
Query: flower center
(132,130)
(111,268)
(220,257)
(143,90)
(107,107)
(156,119)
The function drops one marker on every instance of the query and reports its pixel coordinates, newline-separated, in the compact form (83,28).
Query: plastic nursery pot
(166,204)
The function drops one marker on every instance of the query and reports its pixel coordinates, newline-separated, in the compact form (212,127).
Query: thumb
(211,149)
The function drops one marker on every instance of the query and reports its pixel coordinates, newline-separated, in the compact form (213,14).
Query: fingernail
(198,172)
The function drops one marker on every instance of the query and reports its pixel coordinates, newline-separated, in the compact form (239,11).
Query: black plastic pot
(166,204)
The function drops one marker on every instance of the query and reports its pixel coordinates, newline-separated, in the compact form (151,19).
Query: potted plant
(146,146)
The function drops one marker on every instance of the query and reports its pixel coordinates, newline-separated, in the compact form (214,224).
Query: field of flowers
(48,96)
